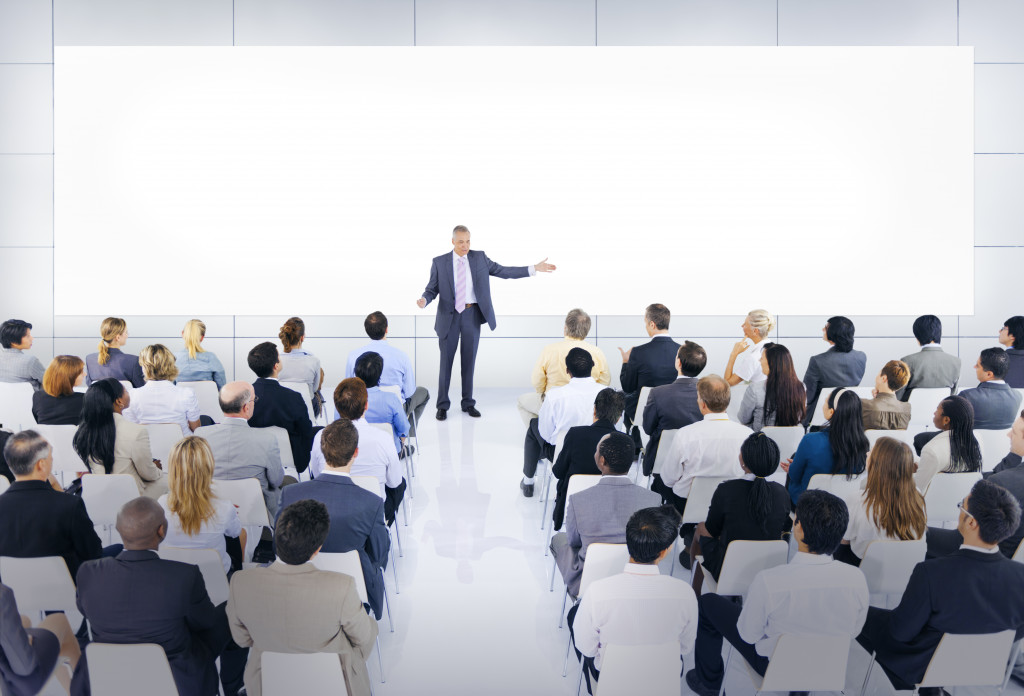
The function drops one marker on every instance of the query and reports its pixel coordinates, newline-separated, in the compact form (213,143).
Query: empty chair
(624,668)
(209,564)
(122,669)
(805,663)
(310,674)
(247,496)
(209,398)
(41,585)
(887,566)
(104,494)
(302,389)
(837,484)
(698,502)
(66,461)
(994,444)
(16,406)
(744,560)
(923,403)
(944,493)
(788,439)
(162,437)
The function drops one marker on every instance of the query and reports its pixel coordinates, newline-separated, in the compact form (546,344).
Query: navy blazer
(576,457)
(442,283)
(669,406)
(651,364)
(1015,372)
(1010,475)
(996,406)
(832,369)
(280,406)
(357,524)
(120,366)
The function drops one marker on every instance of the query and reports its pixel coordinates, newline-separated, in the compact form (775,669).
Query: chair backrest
(581,482)
(1018,555)
(625,667)
(129,668)
(16,406)
(904,436)
(370,483)
(818,417)
(65,458)
(393,388)
(969,660)
(887,564)
(641,403)
(922,406)
(284,445)
(384,427)
(994,444)
(745,559)
(347,563)
(210,565)
(944,492)
(807,663)
(837,484)
(736,395)
(786,437)
(559,441)
(247,496)
(4,484)
(309,674)
(664,446)
(698,502)
(302,389)
(603,560)
(208,397)
(162,437)
(104,494)
(41,584)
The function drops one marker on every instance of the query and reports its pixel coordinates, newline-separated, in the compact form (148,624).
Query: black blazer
(1010,475)
(651,364)
(1015,373)
(37,521)
(576,457)
(57,410)
(280,406)
(729,519)
(357,524)
(139,597)
(996,406)
(669,406)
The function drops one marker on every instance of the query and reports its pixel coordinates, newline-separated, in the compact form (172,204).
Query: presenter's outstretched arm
(432,289)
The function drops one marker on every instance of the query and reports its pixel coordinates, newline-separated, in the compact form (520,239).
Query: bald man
(241,452)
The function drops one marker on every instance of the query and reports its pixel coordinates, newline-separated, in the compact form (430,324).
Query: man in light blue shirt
(382,406)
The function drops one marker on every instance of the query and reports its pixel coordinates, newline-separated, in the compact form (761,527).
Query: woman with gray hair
(745,359)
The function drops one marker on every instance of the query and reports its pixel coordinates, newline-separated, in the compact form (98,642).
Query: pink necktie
(460,286)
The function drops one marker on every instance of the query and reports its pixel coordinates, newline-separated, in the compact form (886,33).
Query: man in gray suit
(931,367)
(462,279)
(241,452)
(600,513)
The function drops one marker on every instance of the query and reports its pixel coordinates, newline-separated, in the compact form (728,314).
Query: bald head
(141,524)
(713,393)
(236,399)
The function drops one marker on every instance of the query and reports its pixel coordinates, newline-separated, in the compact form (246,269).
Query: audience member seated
(382,406)
(649,364)
(57,403)
(29,655)
(747,509)
(194,363)
(954,449)
(839,366)
(963,593)
(599,514)
(709,447)
(293,607)
(357,515)
(197,518)
(745,359)
(931,367)
(674,405)
(111,444)
(884,411)
(139,597)
(280,406)
(778,400)
(1016,453)
(397,371)
(840,448)
(890,506)
(15,366)
(995,403)
(110,361)
(376,456)
(298,365)
(549,372)
(242,452)
(1012,336)
(787,599)
(639,606)
(564,407)
(580,445)
(160,400)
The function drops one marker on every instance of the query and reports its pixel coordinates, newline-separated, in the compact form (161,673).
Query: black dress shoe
(472,411)
(527,488)
(684,559)
(441,414)
(697,686)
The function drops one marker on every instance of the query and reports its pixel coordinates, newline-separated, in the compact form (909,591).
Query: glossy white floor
(475,615)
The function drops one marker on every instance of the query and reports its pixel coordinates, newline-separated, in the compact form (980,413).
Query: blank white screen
(285,180)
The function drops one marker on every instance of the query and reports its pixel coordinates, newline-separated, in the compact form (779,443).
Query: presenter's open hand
(625,354)
(544,266)
(421,303)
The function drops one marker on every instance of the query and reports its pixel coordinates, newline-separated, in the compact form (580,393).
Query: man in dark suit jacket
(968,592)
(38,519)
(649,364)
(357,515)
(995,403)
(674,405)
(839,366)
(280,406)
(462,279)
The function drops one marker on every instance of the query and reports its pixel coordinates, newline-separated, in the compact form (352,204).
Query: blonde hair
(891,499)
(761,321)
(292,333)
(190,482)
(194,332)
(157,363)
(61,375)
(111,328)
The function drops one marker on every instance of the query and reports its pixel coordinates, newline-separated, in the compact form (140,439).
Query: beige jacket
(550,371)
(132,456)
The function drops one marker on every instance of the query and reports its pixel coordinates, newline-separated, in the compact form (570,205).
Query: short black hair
(375,325)
(609,405)
(617,450)
(928,329)
(1015,327)
(13,331)
(692,359)
(650,531)
(301,530)
(840,332)
(995,510)
(996,361)
(262,359)
(22,451)
(368,368)
(579,363)
(823,518)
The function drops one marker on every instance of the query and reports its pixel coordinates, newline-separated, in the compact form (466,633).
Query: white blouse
(748,364)
(225,522)
(862,529)
(163,402)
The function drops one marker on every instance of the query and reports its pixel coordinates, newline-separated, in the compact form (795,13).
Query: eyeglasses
(964,510)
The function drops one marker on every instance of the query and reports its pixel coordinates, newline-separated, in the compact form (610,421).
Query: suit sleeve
(356,624)
(508,272)
(796,469)
(379,541)
(239,632)
(36,368)
(137,378)
(86,542)
(716,513)
(911,616)
(561,465)
(275,469)
(430,292)
(408,379)
(142,458)
(201,615)
(812,381)
(571,531)
(628,376)
(1010,461)
(398,419)
(651,415)
(13,638)
(539,376)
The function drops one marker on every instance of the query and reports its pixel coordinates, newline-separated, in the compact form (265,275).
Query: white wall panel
(999,108)
(867,22)
(28,288)
(142,23)
(348,326)
(324,23)
(686,22)
(26,200)
(996,295)
(26,108)
(863,325)
(142,327)
(26,34)
(993,27)
(998,200)
(503,23)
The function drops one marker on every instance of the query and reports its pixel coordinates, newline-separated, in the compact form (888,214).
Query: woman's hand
(785,464)
(739,347)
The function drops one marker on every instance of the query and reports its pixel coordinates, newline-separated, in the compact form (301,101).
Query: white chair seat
(139,668)
(943,494)
(104,494)
(210,565)
(994,445)
(309,674)
(16,406)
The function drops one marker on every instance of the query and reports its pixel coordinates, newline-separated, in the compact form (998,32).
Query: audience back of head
(13,331)
(846,439)
(714,392)
(193,335)
(840,332)
(650,531)
(375,325)
(995,510)
(190,483)
(784,394)
(577,324)
(659,315)
(896,373)
(61,375)
(292,333)
(350,398)
(96,433)
(609,405)
(339,442)
(139,522)
(234,396)
(262,359)
(110,329)
(22,451)
(928,329)
(158,363)
(760,454)
(761,321)
(369,367)
(823,518)
(617,451)
(891,498)
(301,530)
(692,359)
(579,363)
(964,451)
(1015,327)
(996,361)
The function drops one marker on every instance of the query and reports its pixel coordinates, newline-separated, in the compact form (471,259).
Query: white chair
(163,437)
(4,484)
(887,566)
(247,496)
(743,560)
(16,406)
(104,494)
(837,484)
(788,438)
(602,561)
(805,663)
(302,389)
(129,668)
(698,502)
(994,445)
(66,461)
(310,674)
(371,484)
(904,436)
(1018,555)
(209,398)
(638,416)
(736,395)
(41,585)
(625,667)
(944,492)
(283,444)
(664,446)
(210,565)
(923,402)
(546,468)
(577,483)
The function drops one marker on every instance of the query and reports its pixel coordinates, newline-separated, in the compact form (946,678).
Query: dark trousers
(414,406)
(465,327)
(392,499)
(590,672)
(718,617)
(876,637)
(942,542)
(535,448)
(668,496)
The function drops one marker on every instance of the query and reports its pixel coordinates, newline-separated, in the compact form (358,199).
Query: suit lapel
(449,274)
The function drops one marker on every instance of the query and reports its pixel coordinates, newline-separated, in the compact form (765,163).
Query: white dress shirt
(377,456)
(748,363)
(862,529)
(160,401)
(225,522)
(810,596)
(709,447)
(567,406)
(638,607)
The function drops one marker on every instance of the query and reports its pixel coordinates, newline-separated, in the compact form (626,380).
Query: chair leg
(568,648)
(551,534)
(673,554)
(561,617)
(547,497)
(579,684)
(387,606)
(408,473)
(405,507)
(554,569)
(398,536)
(725,671)
(867,675)
(380,660)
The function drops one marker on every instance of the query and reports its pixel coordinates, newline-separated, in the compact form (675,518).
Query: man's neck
(152,546)
(885,391)
(30,477)
(238,416)
(659,332)
(338,469)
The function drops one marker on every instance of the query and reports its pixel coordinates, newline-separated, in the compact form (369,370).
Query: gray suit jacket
(241,452)
(832,369)
(996,406)
(930,368)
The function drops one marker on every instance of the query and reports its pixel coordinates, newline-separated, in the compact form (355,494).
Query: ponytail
(193,334)
(111,328)
(760,455)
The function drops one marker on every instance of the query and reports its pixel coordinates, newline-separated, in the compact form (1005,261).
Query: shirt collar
(995,381)
(932,345)
(968,547)
(13,350)
(716,416)
(748,477)
(232,419)
(803,558)
(664,335)
(641,569)
(336,473)
(456,257)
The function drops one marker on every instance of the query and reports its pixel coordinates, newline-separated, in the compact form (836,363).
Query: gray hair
(23,450)
(577,324)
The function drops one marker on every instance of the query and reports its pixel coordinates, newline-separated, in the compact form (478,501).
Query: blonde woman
(745,359)
(196,518)
(160,400)
(298,365)
(110,361)
(194,363)
(57,403)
